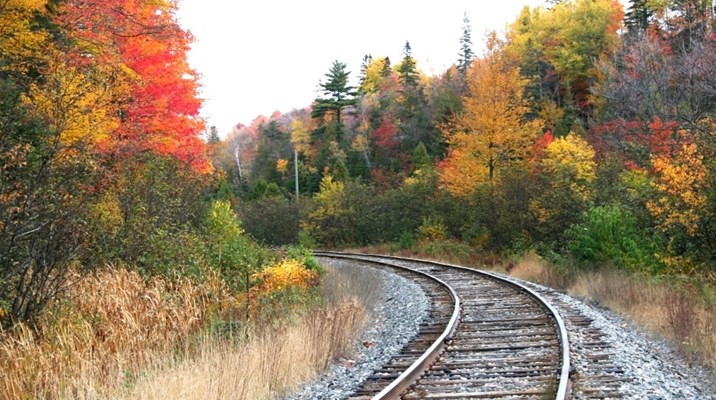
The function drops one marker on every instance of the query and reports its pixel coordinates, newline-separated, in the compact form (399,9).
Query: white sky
(256,57)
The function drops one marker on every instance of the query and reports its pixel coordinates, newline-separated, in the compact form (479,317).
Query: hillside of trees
(586,132)
(103,161)
(118,247)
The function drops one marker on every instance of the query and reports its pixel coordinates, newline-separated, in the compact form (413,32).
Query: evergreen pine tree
(367,59)
(638,16)
(386,68)
(415,124)
(407,70)
(421,159)
(340,171)
(465,56)
(213,135)
(337,93)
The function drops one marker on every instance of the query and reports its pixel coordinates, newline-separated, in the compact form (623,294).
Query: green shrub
(229,250)
(304,255)
(609,234)
(180,253)
(273,221)
(407,241)
(262,189)
(306,240)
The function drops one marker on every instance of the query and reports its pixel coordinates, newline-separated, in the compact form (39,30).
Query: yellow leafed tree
(282,165)
(564,183)
(570,160)
(301,137)
(17,38)
(682,183)
(78,106)
(493,132)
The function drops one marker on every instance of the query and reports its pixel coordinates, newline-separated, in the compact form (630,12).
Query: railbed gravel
(653,368)
(392,323)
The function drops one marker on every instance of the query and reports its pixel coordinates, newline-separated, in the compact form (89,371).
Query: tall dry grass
(111,323)
(118,335)
(267,365)
(534,269)
(275,358)
(675,311)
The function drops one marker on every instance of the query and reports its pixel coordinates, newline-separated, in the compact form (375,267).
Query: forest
(584,134)
(116,249)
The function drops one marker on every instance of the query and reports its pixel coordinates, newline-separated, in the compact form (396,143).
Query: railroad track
(486,338)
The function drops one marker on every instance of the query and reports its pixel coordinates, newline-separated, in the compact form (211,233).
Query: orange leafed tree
(154,89)
(493,131)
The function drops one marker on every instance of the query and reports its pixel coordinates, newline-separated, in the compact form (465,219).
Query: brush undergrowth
(109,325)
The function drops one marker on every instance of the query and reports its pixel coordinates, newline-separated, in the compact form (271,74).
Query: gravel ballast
(393,322)
(653,369)
(650,368)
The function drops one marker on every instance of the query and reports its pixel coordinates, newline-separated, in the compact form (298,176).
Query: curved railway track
(487,338)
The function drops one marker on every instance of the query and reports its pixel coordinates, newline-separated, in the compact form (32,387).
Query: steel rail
(563,386)
(413,373)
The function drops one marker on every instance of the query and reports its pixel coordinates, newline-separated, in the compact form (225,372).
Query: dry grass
(275,359)
(268,365)
(677,312)
(114,322)
(352,283)
(532,268)
(121,336)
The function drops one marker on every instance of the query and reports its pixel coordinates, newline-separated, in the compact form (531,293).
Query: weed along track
(485,338)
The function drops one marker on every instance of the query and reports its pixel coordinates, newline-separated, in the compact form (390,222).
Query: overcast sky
(256,57)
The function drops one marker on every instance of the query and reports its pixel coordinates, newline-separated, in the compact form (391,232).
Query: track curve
(504,340)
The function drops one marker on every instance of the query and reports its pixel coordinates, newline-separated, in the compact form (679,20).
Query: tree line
(586,132)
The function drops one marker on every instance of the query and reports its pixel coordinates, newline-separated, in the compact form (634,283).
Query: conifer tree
(367,59)
(407,70)
(386,67)
(465,56)
(337,93)
(638,16)
(213,135)
(421,159)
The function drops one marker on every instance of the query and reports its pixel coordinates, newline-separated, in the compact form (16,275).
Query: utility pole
(295,168)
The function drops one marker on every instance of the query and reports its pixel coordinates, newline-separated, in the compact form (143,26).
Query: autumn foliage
(493,131)
(286,275)
(154,92)
(576,118)
(682,184)
(579,134)
(94,94)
